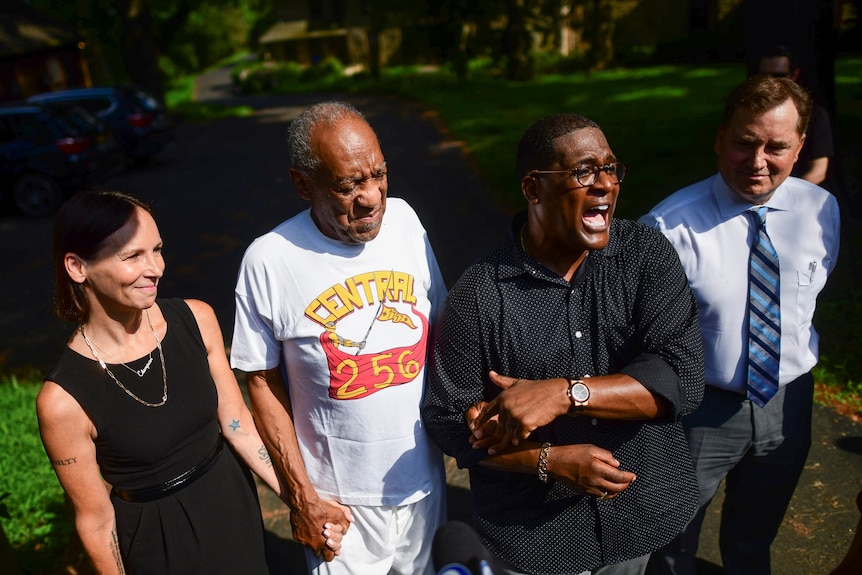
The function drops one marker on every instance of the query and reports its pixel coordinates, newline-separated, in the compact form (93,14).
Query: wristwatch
(579,395)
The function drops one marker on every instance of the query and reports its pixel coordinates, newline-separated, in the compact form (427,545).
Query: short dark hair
(83,224)
(302,156)
(762,93)
(536,148)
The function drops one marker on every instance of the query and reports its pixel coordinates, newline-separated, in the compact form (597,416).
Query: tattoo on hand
(59,462)
(234,424)
(264,456)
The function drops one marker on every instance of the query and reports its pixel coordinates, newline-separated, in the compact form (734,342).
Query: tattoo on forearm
(264,455)
(234,424)
(69,461)
(115,551)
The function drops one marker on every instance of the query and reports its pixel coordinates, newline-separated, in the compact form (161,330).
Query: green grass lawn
(33,510)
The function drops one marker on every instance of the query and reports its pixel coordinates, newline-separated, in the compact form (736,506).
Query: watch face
(580,392)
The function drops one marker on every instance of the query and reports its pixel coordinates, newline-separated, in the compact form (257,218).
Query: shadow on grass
(59,551)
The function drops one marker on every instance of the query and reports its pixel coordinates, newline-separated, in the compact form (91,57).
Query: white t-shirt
(350,326)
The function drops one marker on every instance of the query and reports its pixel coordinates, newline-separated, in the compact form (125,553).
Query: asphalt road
(226,183)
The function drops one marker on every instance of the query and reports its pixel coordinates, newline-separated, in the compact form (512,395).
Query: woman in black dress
(143,398)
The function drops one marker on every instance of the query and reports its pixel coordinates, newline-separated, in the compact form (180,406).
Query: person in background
(573,349)
(818,150)
(333,315)
(143,397)
(757,246)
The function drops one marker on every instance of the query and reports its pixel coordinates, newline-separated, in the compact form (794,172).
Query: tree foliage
(509,32)
(144,41)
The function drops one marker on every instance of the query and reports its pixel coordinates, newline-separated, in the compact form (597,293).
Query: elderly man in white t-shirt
(333,313)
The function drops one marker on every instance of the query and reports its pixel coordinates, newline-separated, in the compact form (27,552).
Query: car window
(145,101)
(75,121)
(95,105)
(29,127)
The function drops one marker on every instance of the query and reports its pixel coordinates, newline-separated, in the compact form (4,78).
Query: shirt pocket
(809,283)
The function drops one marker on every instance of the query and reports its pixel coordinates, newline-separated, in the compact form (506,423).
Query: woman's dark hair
(83,224)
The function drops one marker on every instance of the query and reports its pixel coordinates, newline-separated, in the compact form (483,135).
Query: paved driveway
(226,183)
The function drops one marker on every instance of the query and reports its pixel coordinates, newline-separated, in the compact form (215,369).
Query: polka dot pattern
(628,310)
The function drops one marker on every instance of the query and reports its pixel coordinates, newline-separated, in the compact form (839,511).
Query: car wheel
(37,195)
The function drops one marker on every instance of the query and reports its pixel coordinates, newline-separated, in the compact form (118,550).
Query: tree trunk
(601,28)
(517,42)
(139,46)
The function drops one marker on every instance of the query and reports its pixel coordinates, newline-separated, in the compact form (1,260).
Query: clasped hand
(321,526)
(525,405)
(522,406)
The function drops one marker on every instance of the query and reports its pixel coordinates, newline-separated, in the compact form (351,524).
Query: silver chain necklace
(140,372)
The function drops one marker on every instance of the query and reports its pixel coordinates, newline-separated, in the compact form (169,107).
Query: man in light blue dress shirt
(760,451)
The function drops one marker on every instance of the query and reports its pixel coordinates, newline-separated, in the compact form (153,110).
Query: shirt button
(578,334)
(594,421)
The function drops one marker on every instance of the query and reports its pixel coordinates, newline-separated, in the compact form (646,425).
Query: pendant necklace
(139,373)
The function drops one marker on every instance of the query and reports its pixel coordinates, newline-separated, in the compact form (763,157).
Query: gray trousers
(761,453)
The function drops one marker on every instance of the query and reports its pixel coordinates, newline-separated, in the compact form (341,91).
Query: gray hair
(302,156)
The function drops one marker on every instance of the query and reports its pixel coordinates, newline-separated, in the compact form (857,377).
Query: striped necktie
(764,315)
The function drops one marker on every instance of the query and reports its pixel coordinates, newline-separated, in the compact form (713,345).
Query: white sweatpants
(387,540)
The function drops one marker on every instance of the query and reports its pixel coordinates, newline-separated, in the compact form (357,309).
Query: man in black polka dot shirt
(572,350)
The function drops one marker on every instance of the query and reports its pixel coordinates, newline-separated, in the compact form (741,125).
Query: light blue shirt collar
(731,205)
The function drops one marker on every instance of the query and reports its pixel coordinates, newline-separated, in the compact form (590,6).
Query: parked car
(47,152)
(140,123)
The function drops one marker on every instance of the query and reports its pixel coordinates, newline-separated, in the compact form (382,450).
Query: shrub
(329,69)
(258,77)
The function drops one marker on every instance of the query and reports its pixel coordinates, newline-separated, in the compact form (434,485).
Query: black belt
(172,485)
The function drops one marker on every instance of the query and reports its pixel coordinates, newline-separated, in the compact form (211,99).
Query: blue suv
(139,122)
(47,152)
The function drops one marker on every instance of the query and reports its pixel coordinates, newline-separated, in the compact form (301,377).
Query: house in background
(309,31)
(38,53)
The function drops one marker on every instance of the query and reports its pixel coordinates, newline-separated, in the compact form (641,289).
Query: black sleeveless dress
(211,525)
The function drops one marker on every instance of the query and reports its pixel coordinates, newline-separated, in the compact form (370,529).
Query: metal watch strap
(543,462)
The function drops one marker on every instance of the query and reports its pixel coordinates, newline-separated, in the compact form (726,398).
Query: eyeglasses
(587,174)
